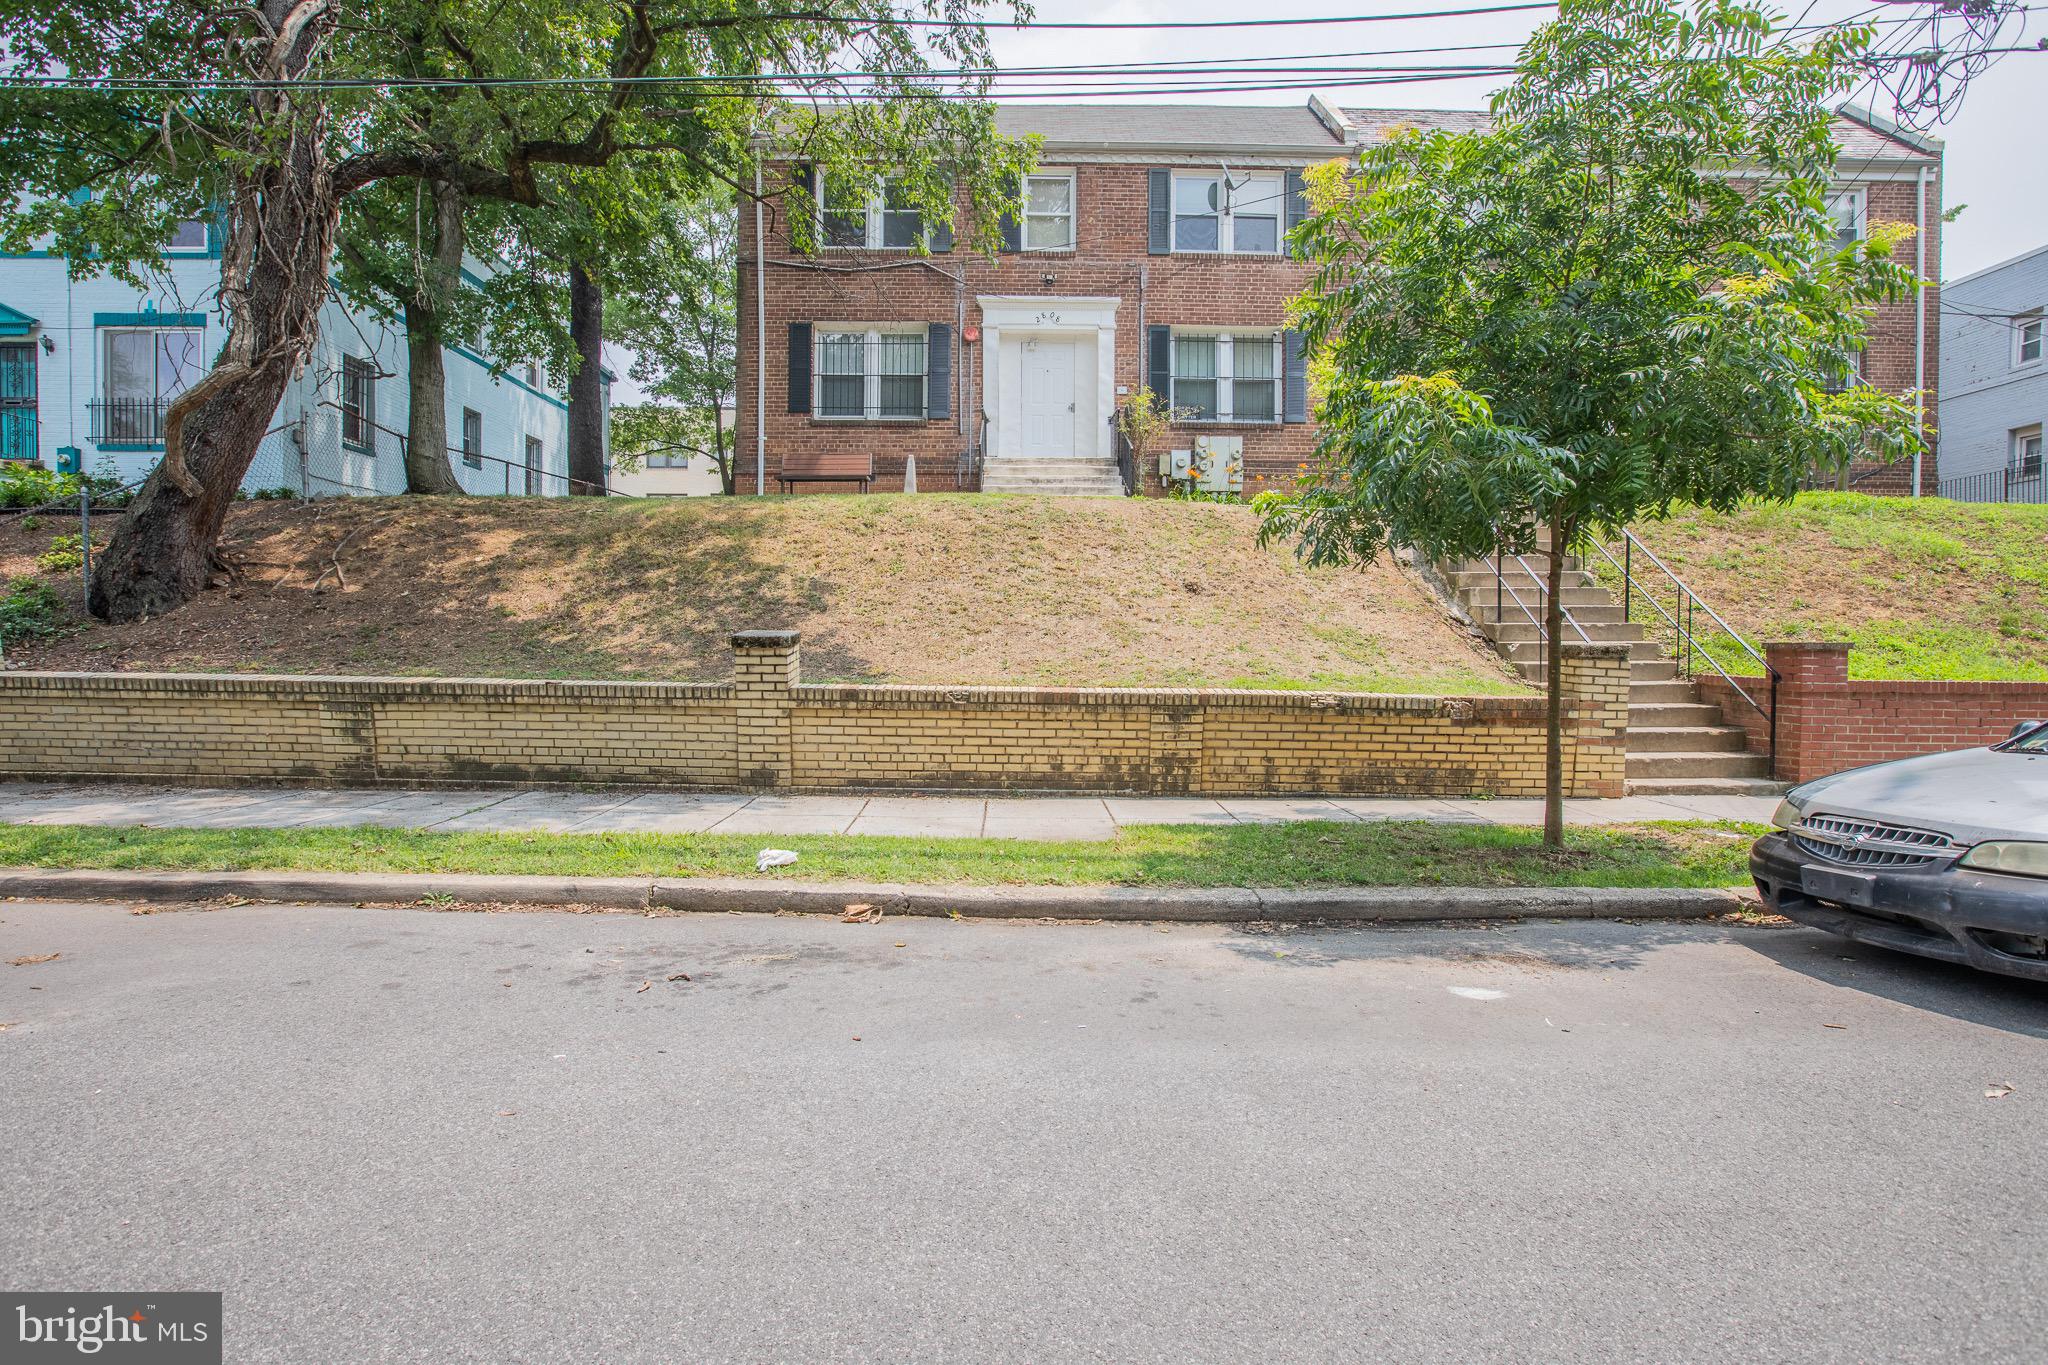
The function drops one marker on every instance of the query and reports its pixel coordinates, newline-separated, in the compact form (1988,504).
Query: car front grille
(1871,843)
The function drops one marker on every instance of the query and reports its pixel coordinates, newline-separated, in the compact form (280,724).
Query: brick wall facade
(1181,289)
(766,730)
(1109,260)
(1827,723)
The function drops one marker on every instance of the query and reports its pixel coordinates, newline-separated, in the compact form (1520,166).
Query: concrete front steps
(1677,744)
(1077,477)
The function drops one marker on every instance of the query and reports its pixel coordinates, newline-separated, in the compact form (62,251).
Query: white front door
(1047,425)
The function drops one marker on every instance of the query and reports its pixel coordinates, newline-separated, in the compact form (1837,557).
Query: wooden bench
(822,468)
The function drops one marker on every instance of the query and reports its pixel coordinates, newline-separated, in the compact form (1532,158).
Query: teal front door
(17,400)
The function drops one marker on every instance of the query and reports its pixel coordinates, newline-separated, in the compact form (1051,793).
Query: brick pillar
(765,672)
(1812,675)
(1595,683)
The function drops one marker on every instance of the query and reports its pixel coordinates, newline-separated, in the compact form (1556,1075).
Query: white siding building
(1994,391)
(87,368)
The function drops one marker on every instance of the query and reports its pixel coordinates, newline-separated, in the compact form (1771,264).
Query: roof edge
(1878,123)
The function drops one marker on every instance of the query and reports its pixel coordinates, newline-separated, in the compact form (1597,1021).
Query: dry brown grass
(931,589)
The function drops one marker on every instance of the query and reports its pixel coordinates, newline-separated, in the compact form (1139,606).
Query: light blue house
(1994,382)
(88,368)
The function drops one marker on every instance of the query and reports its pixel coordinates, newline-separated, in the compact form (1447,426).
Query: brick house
(1147,251)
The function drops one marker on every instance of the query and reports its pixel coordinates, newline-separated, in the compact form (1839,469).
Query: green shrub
(24,483)
(29,611)
(65,552)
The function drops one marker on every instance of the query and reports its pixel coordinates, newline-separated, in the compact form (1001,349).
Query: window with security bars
(18,436)
(871,374)
(1232,377)
(358,402)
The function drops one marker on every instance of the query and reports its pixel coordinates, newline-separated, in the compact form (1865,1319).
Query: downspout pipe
(760,342)
(1920,331)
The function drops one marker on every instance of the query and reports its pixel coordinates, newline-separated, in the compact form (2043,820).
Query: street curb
(714,895)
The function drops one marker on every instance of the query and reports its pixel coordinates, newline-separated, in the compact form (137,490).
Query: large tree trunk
(586,386)
(279,240)
(1553,686)
(426,448)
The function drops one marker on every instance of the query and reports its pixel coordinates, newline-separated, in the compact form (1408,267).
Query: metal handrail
(1502,586)
(1687,603)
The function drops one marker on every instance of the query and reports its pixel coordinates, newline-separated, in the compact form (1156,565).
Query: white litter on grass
(1476,993)
(773,857)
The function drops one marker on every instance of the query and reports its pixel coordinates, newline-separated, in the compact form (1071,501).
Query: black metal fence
(129,421)
(1998,485)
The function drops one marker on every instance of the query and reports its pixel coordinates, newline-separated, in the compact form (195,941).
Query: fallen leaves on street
(1997,1090)
(34,960)
(860,912)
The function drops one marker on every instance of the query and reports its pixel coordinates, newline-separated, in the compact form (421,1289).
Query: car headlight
(2010,855)
(1787,815)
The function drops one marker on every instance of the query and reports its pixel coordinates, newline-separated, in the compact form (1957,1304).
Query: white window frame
(874,220)
(2027,330)
(107,367)
(1073,214)
(205,240)
(1258,189)
(871,334)
(1227,343)
(2019,439)
(1857,225)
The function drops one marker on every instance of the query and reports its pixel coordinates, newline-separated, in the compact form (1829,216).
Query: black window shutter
(1159,365)
(1013,221)
(1160,238)
(1297,204)
(799,367)
(805,175)
(1293,378)
(938,362)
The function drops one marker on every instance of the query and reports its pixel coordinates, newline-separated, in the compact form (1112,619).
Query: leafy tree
(276,112)
(680,315)
(1622,294)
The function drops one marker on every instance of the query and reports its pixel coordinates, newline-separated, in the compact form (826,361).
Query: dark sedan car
(1945,855)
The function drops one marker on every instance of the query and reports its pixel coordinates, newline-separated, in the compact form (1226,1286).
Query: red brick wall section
(1827,723)
(1110,259)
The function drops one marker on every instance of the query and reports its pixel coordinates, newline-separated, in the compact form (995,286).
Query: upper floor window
(358,402)
(143,369)
(1227,378)
(1845,211)
(189,237)
(854,213)
(1227,213)
(1049,211)
(2026,338)
(874,373)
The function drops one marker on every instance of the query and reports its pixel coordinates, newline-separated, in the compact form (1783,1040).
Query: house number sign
(1048,319)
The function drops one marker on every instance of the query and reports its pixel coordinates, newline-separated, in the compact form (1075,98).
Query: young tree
(680,316)
(1621,295)
(273,113)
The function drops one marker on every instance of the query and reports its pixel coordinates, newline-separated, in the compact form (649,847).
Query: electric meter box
(1219,464)
(1176,464)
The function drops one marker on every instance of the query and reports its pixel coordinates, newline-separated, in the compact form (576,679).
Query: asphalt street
(415,1136)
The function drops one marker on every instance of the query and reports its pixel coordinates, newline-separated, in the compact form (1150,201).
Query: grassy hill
(930,589)
(1921,588)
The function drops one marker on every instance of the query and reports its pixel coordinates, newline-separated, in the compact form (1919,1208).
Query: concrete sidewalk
(962,817)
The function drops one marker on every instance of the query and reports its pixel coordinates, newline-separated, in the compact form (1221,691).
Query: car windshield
(2034,741)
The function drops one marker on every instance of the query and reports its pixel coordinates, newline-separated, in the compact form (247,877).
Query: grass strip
(1395,853)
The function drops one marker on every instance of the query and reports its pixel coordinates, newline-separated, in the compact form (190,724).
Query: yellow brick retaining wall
(767,730)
